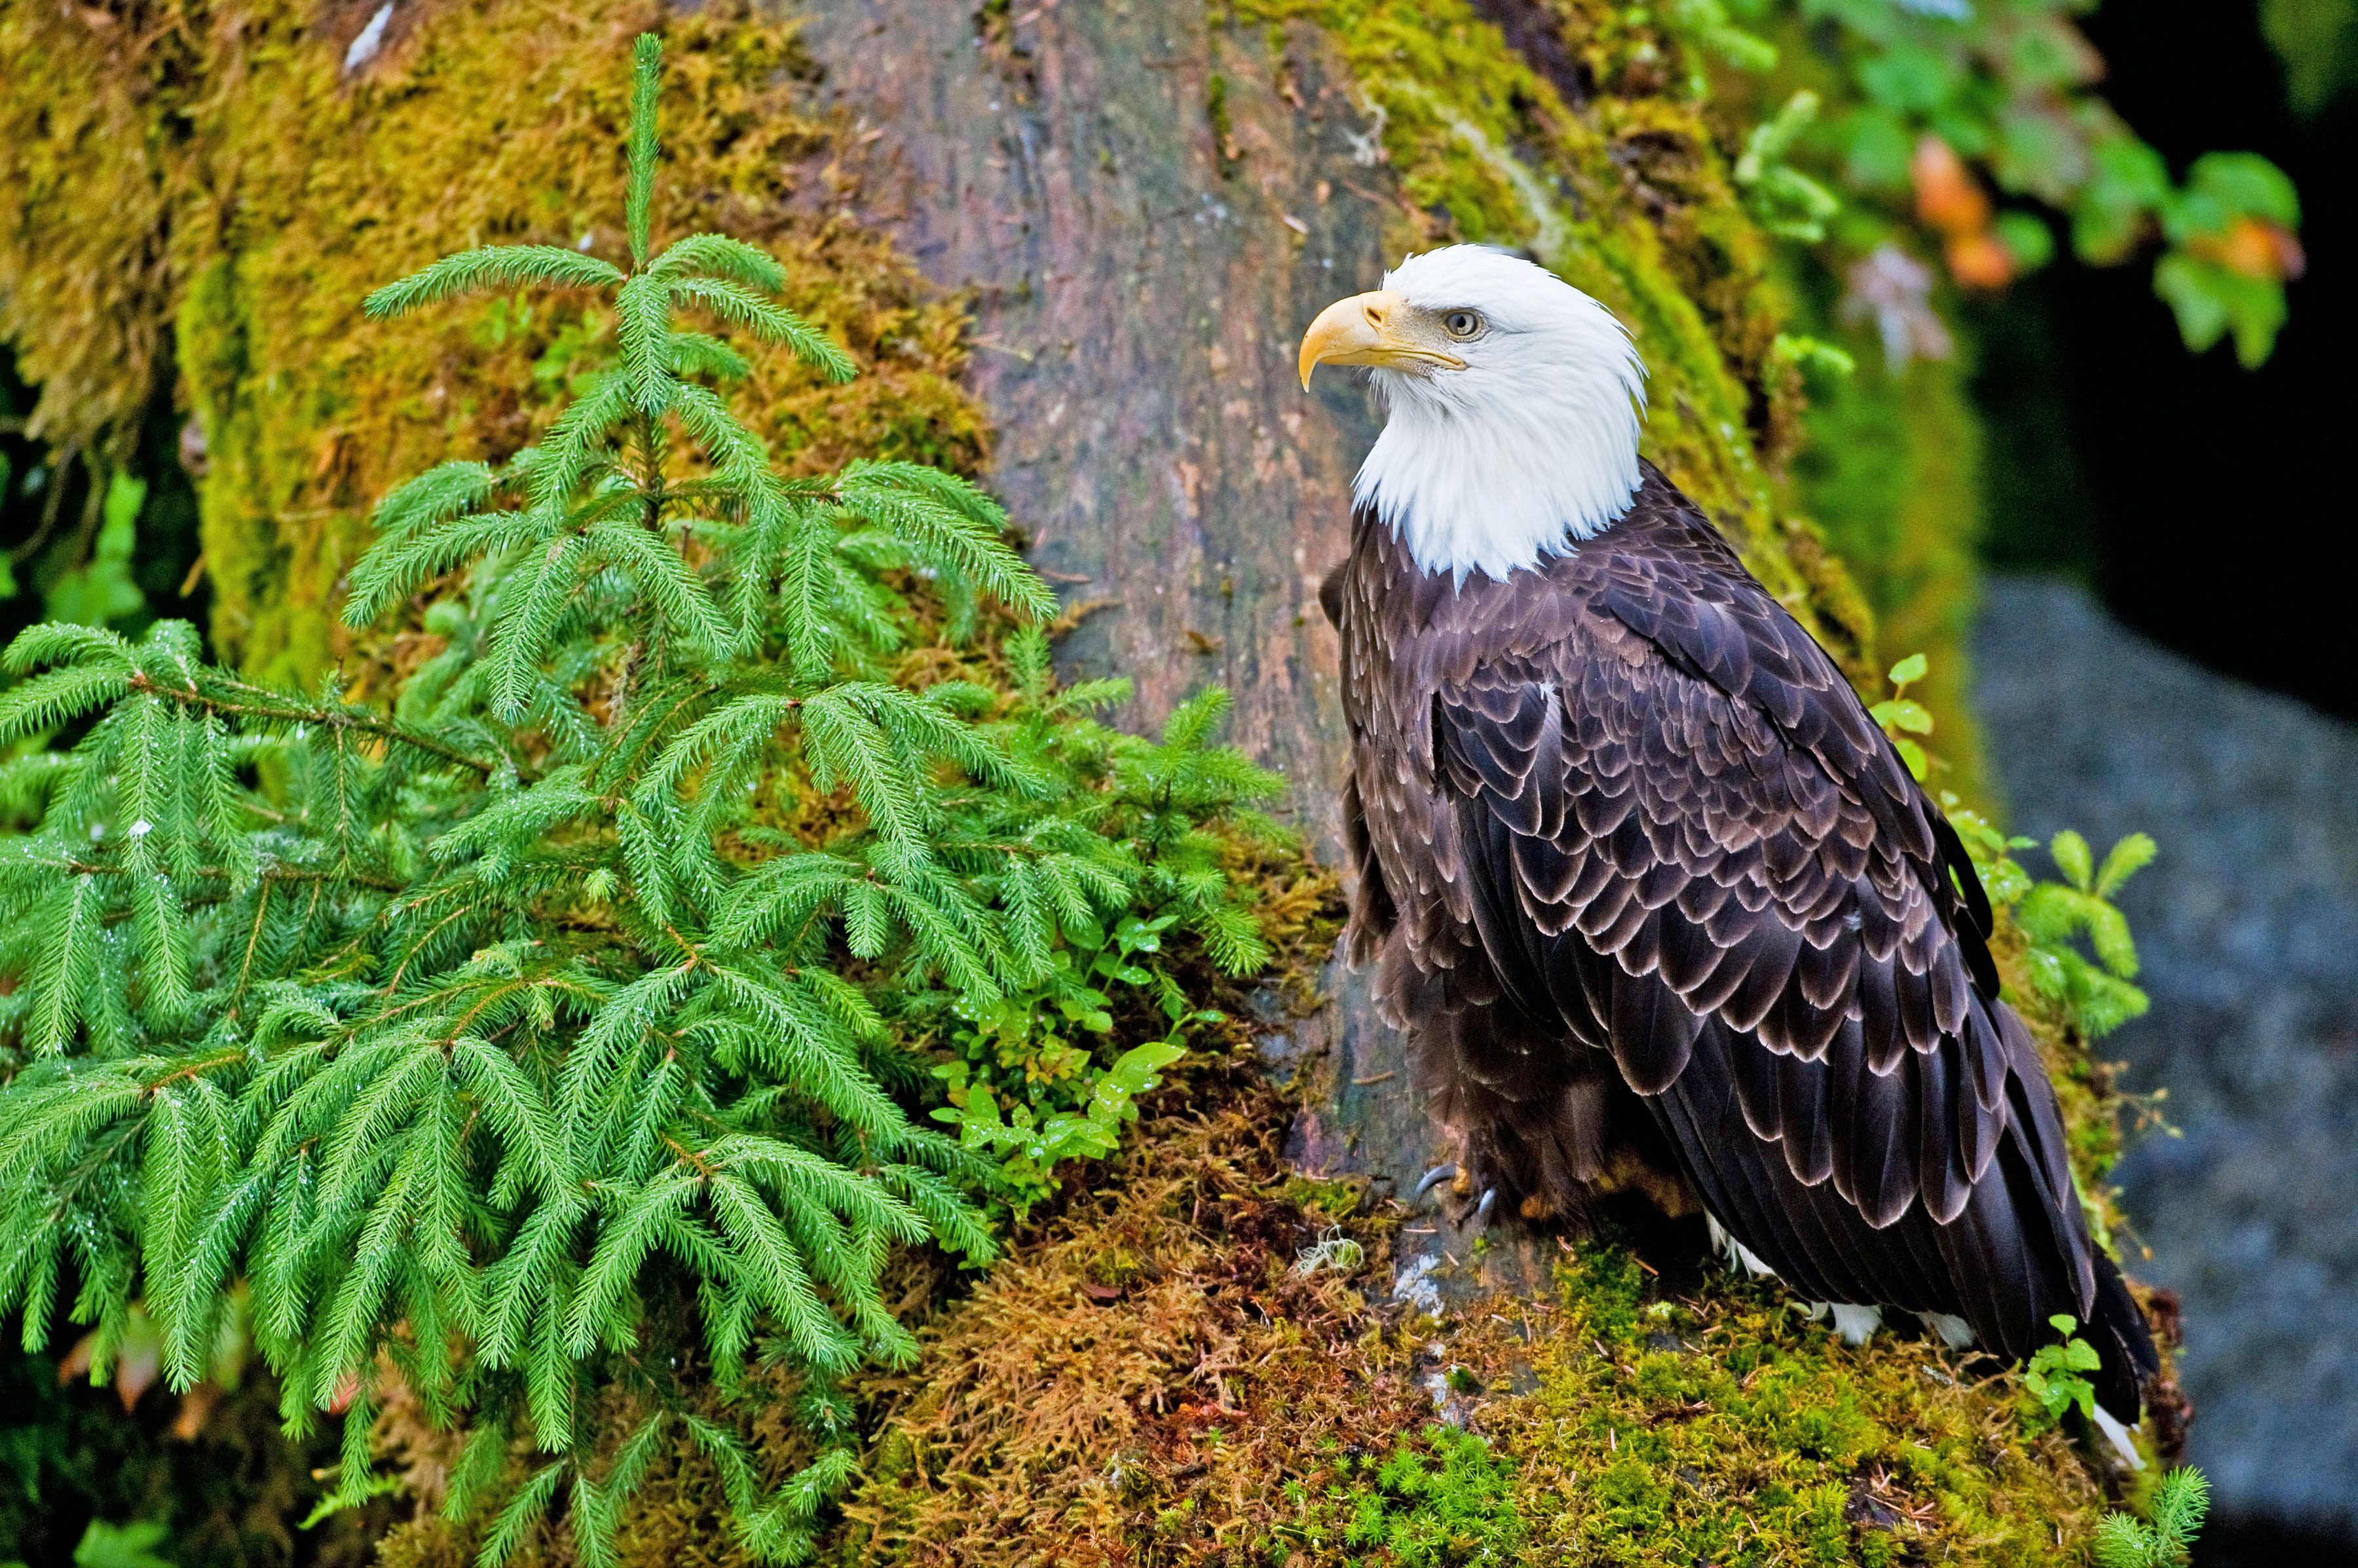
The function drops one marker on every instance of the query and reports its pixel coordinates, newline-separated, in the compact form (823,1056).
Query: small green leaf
(1904,713)
(2108,934)
(129,1545)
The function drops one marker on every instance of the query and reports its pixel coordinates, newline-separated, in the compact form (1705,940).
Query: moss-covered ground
(1177,1371)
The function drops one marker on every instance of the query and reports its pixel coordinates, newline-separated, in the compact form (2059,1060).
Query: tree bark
(1141,265)
(1145,218)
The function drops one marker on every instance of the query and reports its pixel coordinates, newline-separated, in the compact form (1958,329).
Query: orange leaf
(2256,248)
(1980,261)
(196,1408)
(1948,198)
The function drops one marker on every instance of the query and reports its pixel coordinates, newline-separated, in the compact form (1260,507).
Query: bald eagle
(1654,899)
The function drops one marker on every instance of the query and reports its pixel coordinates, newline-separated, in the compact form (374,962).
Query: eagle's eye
(1462,325)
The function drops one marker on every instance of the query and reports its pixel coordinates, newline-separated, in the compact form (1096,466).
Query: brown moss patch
(1156,1380)
(1156,1351)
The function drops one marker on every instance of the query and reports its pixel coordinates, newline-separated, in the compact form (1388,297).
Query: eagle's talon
(1445,1171)
(1482,1210)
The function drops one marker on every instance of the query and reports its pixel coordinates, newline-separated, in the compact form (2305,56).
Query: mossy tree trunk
(1147,201)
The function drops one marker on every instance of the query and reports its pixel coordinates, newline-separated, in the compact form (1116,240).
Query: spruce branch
(741,307)
(493,267)
(258,705)
(646,82)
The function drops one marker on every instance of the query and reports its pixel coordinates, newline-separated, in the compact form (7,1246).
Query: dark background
(2208,505)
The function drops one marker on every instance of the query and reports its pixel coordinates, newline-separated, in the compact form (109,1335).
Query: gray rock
(2248,927)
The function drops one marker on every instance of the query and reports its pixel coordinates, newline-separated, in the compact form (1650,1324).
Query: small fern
(503,1043)
(1047,1074)
(2098,994)
(2095,990)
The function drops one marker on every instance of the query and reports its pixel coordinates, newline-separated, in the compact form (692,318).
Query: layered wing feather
(1669,823)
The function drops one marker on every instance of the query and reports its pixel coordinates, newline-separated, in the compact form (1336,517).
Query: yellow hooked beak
(1375,328)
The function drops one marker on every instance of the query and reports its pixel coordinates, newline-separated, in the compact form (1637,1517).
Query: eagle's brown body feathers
(1657,902)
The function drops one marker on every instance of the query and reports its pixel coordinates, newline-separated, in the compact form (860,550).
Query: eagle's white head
(1514,404)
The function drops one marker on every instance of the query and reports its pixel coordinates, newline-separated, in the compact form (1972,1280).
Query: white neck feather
(1522,454)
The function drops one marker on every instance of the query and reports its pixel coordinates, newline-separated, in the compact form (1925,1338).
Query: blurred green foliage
(100,592)
(2317,40)
(132,1545)
(1915,107)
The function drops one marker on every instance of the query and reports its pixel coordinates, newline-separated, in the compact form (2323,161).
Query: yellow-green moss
(1717,1424)
(85,286)
(280,192)
(1892,474)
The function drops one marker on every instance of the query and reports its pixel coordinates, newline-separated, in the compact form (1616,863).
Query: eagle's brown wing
(1679,831)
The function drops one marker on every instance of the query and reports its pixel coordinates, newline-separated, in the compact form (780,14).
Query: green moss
(1224,130)
(83,205)
(1717,1424)
(1892,474)
(1441,1498)
(284,201)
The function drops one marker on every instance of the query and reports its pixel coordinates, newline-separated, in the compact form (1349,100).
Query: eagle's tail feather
(2117,1330)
